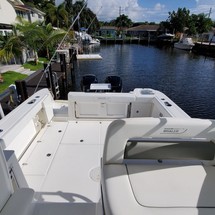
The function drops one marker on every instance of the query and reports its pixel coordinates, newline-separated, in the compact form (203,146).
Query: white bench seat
(147,179)
(173,186)
(142,191)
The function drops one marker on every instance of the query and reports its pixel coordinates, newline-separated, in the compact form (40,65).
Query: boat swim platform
(89,57)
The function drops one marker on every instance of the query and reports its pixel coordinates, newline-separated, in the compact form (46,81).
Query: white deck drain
(95,174)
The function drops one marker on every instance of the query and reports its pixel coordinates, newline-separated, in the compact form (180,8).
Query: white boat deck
(53,162)
(59,146)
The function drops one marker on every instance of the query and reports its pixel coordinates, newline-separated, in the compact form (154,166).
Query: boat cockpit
(106,153)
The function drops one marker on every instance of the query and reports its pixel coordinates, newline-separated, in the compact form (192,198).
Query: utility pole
(210,13)
(120,11)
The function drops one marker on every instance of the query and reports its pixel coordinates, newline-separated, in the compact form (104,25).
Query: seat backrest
(169,149)
(6,189)
(176,135)
(99,105)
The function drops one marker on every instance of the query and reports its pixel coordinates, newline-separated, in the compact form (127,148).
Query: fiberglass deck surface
(62,164)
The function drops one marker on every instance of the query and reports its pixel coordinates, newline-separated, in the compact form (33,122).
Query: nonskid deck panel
(53,162)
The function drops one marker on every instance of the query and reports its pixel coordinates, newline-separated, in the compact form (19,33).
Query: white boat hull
(183,46)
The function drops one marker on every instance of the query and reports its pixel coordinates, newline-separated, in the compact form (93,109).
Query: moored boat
(166,36)
(94,41)
(106,153)
(184,44)
(87,38)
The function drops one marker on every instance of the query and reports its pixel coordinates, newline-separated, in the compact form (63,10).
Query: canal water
(188,79)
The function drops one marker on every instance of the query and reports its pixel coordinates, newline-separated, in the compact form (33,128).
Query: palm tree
(11,47)
(91,20)
(32,34)
(39,36)
(57,16)
(87,17)
(123,22)
(76,9)
(69,9)
(179,20)
(51,37)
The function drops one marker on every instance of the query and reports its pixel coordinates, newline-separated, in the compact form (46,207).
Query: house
(142,31)
(209,36)
(30,14)
(7,17)
(9,11)
(108,31)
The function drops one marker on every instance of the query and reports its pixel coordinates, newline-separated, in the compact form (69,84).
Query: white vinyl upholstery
(13,203)
(120,131)
(5,185)
(20,203)
(119,197)
(155,186)
(172,186)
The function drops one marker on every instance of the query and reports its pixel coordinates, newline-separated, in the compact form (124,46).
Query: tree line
(183,21)
(63,15)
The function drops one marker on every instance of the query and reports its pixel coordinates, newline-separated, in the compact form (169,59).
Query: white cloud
(110,9)
(107,10)
(204,6)
(159,7)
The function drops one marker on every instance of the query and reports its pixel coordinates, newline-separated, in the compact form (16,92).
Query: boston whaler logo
(174,130)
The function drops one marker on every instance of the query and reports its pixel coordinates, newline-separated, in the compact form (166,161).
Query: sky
(147,10)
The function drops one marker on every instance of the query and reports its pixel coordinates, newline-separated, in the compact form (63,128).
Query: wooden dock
(89,57)
(204,48)
(143,40)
